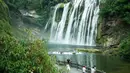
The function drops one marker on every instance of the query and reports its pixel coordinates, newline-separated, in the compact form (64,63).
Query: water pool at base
(106,63)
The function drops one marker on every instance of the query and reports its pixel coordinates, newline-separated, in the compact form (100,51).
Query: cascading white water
(54,23)
(61,25)
(78,23)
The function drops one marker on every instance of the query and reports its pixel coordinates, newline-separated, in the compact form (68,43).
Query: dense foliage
(125,49)
(116,8)
(24,57)
(21,56)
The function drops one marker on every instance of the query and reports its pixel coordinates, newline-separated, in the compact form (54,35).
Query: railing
(78,66)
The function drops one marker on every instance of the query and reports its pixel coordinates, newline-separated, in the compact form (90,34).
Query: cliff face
(112,32)
(113,22)
(32,14)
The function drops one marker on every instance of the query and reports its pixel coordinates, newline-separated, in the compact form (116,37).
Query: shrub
(124,49)
(117,9)
(18,58)
(22,56)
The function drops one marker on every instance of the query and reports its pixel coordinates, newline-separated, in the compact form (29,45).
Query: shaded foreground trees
(21,56)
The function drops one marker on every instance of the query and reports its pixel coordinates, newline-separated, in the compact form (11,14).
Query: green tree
(124,49)
(116,8)
(21,56)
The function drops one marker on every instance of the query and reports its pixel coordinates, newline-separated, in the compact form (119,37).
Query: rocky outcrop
(112,31)
(114,22)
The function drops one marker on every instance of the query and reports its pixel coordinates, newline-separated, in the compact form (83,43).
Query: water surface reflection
(105,63)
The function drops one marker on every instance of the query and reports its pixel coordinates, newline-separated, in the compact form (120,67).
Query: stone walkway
(74,70)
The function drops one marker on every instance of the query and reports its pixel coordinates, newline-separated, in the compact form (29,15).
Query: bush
(124,49)
(18,58)
(117,9)
(22,56)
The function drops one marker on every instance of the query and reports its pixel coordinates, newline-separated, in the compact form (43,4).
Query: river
(109,64)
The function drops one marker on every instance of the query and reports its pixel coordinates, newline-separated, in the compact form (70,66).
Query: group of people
(93,69)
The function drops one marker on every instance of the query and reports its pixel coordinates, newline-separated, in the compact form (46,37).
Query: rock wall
(114,22)
(112,31)
(32,14)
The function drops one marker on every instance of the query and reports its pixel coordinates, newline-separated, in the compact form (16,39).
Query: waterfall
(78,23)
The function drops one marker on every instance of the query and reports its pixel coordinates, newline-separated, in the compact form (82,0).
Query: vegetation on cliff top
(116,8)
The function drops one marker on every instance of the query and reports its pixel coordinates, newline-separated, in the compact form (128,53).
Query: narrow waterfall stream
(77,25)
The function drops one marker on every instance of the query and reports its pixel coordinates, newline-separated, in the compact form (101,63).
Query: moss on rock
(90,50)
(61,5)
(111,52)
